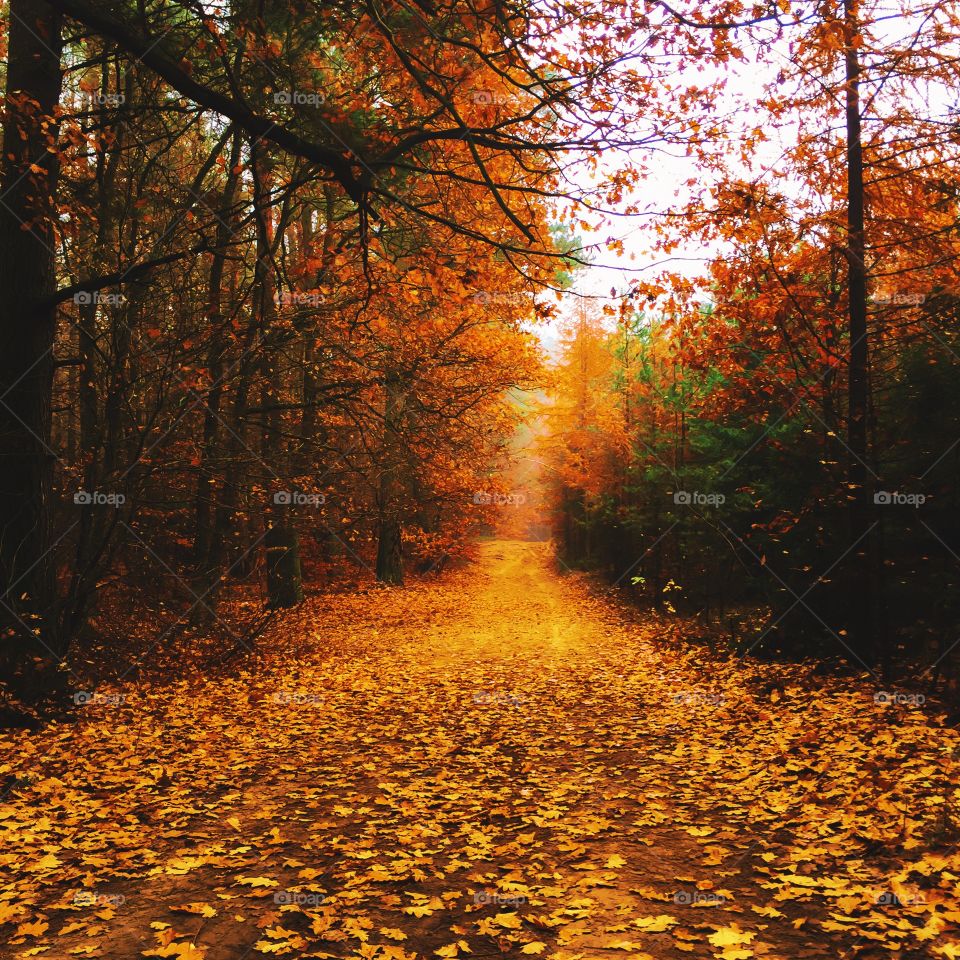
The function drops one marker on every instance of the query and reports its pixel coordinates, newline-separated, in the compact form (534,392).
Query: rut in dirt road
(497,763)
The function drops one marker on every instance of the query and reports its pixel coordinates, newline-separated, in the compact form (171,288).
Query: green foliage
(723,508)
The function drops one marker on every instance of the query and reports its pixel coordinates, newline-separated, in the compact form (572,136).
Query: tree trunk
(858,561)
(284,587)
(390,532)
(284,581)
(100,428)
(390,551)
(206,564)
(30,638)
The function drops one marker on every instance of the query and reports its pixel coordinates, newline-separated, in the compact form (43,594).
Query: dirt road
(496,763)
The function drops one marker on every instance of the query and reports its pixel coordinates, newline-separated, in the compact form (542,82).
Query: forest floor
(498,762)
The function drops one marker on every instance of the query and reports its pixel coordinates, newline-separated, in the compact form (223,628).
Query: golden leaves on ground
(505,767)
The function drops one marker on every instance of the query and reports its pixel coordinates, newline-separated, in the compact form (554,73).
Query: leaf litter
(502,762)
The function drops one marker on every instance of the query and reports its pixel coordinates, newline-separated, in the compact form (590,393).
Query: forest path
(496,763)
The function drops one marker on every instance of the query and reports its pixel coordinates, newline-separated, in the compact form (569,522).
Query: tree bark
(390,527)
(284,586)
(30,638)
(858,562)
(284,580)
(207,569)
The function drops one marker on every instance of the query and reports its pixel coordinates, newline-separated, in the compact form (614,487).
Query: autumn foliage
(376,584)
(782,427)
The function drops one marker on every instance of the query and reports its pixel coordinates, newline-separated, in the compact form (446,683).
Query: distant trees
(269,271)
(833,200)
(265,283)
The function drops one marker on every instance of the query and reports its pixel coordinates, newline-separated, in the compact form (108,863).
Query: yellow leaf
(388,952)
(615,862)
(655,924)
(731,936)
(798,880)
(257,882)
(182,951)
(8,912)
(200,909)
(418,910)
(537,946)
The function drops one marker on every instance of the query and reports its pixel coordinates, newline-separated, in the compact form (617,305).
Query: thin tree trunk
(284,584)
(97,452)
(208,572)
(390,527)
(858,562)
